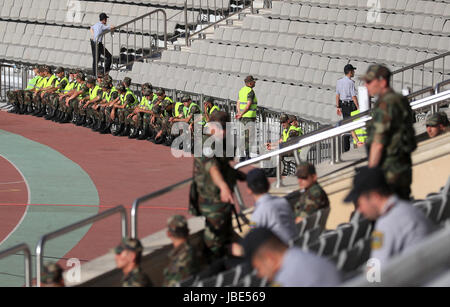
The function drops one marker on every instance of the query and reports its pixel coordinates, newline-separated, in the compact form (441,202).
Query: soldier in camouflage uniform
(122,107)
(52,94)
(52,276)
(16,98)
(140,117)
(312,197)
(38,99)
(70,102)
(391,136)
(210,108)
(437,124)
(215,179)
(162,111)
(182,259)
(128,259)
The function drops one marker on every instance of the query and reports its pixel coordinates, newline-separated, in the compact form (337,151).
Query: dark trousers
(347,108)
(106,55)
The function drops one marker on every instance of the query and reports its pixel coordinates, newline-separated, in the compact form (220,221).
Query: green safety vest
(286,134)
(32,83)
(146,104)
(210,112)
(243,95)
(177,107)
(124,97)
(41,83)
(186,111)
(50,81)
(59,81)
(361,133)
(171,101)
(70,86)
(93,92)
(79,88)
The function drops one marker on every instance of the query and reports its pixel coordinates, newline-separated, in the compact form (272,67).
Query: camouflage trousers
(218,229)
(14,97)
(73,106)
(245,121)
(398,173)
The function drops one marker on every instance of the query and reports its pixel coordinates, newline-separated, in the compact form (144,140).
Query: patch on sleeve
(252,224)
(377,240)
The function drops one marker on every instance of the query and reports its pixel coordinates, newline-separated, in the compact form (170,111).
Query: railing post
(186,27)
(279,183)
(134,219)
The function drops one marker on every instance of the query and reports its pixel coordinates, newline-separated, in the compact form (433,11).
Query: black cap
(257,181)
(367,179)
(254,239)
(103,16)
(348,68)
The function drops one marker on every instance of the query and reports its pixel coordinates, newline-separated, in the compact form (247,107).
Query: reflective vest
(177,109)
(93,92)
(79,85)
(123,99)
(59,81)
(243,99)
(361,133)
(32,83)
(50,81)
(187,111)
(214,108)
(69,87)
(298,129)
(146,104)
(41,83)
(107,96)
(285,135)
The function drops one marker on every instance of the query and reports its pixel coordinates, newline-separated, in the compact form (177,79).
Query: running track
(79,173)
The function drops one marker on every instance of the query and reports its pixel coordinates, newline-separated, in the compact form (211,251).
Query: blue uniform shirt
(98,29)
(345,88)
(400,227)
(276,214)
(303,269)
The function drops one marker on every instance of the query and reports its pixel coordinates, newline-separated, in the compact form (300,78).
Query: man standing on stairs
(96,31)
(346,99)
(391,136)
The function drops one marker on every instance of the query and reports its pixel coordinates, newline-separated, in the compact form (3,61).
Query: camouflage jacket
(136,278)
(392,126)
(311,201)
(206,188)
(182,265)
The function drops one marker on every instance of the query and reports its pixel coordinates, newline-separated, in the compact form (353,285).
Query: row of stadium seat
(416,21)
(254,26)
(60,13)
(428,7)
(196,4)
(271,65)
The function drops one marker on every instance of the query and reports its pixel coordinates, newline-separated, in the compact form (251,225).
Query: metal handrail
(75,226)
(342,127)
(101,37)
(188,35)
(138,201)
(423,69)
(27,255)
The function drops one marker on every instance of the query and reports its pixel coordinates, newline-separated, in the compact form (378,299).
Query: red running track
(13,190)
(121,169)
